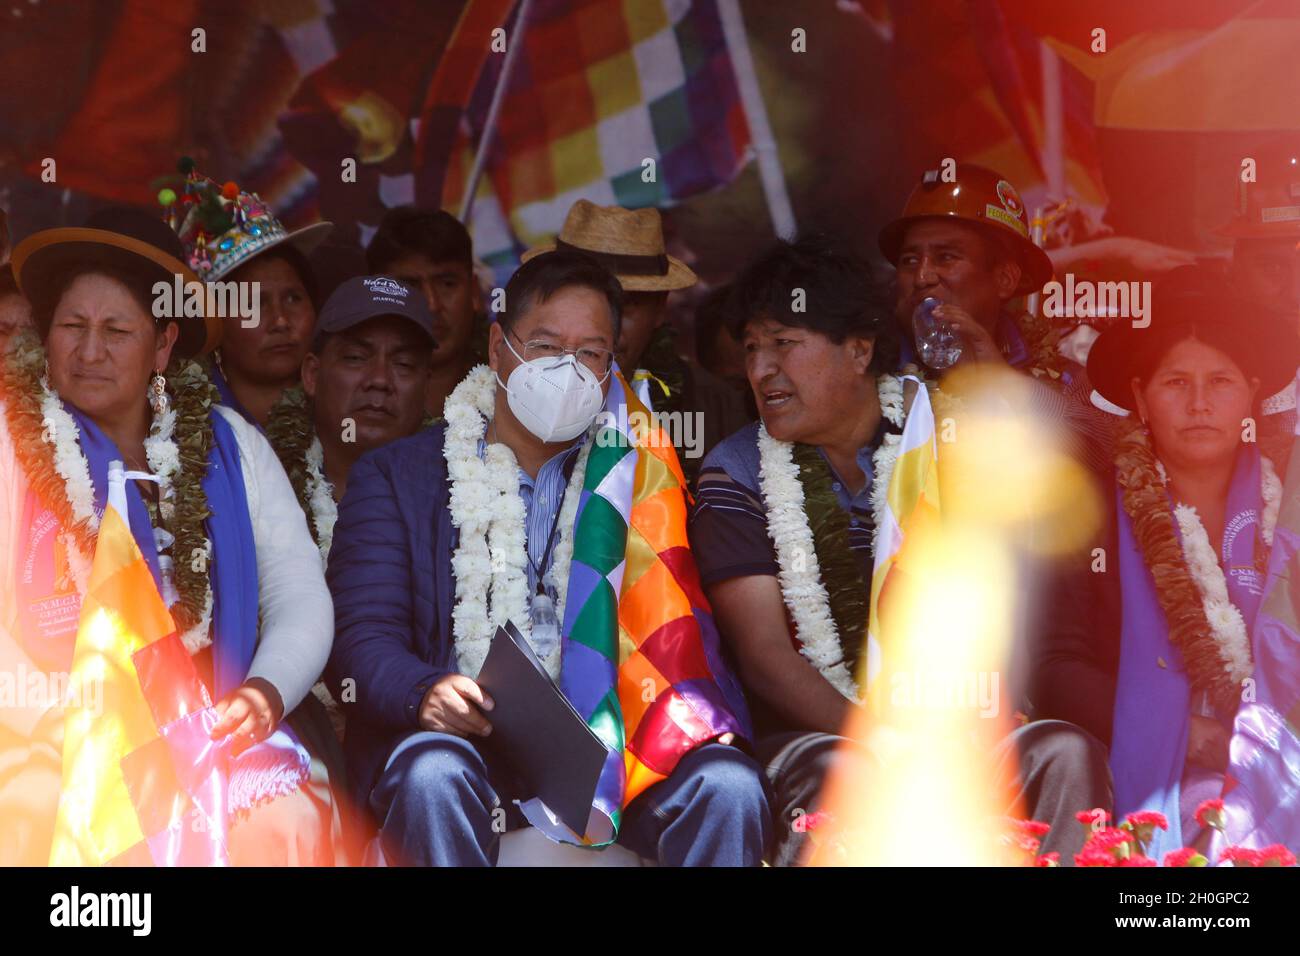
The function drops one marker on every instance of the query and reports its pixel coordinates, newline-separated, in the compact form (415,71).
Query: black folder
(555,754)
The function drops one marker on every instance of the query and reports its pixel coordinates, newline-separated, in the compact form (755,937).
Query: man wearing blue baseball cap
(363,385)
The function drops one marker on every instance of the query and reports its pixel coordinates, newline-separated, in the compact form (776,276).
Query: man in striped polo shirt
(821,349)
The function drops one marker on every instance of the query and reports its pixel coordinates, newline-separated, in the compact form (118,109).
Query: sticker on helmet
(998,214)
(1280,213)
(1010,198)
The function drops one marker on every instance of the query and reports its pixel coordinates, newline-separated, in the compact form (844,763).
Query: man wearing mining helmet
(963,256)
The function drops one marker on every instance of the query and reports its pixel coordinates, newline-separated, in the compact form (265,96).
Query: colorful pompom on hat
(223,227)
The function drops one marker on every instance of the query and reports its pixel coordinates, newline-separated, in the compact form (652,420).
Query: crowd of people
(377,477)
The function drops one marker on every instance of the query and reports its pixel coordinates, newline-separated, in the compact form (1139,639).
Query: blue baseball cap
(369,297)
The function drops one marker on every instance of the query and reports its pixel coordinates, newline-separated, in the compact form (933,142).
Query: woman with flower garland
(210,508)
(784,529)
(1151,653)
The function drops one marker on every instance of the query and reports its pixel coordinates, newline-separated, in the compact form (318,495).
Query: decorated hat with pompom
(223,227)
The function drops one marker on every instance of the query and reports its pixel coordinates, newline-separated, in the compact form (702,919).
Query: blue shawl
(233,567)
(279,764)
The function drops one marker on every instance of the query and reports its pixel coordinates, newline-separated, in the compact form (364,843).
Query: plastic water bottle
(937,345)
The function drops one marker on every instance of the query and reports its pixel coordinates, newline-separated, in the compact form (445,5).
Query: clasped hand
(248,715)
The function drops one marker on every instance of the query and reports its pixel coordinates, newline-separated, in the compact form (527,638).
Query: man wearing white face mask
(445,534)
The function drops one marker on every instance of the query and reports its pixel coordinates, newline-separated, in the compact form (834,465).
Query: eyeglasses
(597,360)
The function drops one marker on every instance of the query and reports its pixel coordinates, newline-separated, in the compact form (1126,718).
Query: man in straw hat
(630,244)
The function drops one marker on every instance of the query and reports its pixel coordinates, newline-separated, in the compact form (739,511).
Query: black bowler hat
(117,236)
(1192,303)
(368,297)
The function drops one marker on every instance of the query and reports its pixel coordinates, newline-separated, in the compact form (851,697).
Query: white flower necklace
(325,514)
(320,496)
(70,462)
(487,511)
(1225,620)
(787,525)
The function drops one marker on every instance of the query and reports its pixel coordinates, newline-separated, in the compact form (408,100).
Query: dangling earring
(158,394)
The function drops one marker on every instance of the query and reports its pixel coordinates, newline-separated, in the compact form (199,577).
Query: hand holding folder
(556,755)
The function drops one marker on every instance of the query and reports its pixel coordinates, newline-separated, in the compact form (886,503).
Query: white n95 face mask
(556,401)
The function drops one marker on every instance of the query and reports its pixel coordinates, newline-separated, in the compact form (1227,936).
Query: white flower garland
(69,462)
(882,462)
(71,466)
(164,461)
(325,514)
(1271,492)
(490,556)
(320,495)
(787,526)
(1225,620)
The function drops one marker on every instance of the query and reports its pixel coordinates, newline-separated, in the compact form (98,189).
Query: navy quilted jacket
(390,576)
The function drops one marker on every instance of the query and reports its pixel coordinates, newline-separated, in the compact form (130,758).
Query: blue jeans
(438,799)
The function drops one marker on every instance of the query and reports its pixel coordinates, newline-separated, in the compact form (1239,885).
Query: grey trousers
(1062,770)
(1051,768)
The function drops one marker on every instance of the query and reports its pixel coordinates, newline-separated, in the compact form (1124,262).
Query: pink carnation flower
(1275,855)
(1094,858)
(1240,856)
(1183,857)
(1148,818)
(807,822)
(1090,817)
(1109,838)
(1210,814)
(1033,828)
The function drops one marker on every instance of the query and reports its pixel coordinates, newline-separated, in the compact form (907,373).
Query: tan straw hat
(627,242)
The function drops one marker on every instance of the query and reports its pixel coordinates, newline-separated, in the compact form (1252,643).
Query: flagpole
(1052,155)
(513,45)
(760,131)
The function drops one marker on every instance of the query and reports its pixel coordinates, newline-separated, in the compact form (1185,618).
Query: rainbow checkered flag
(142,784)
(641,661)
(911,508)
(600,87)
